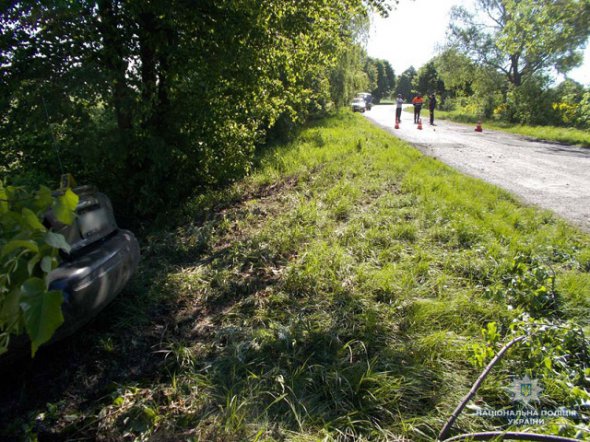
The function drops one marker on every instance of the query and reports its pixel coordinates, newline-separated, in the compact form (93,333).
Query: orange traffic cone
(478,127)
(396,123)
(420,124)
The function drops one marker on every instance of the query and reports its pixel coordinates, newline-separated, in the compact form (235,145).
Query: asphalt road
(550,175)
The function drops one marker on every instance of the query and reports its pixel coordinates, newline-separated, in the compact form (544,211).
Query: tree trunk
(163,107)
(115,63)
(147,55)
(155,42)
(515,76)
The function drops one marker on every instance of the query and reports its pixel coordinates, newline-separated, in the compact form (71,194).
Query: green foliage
(348,77)
(530,103)
(456,71)
(404,83)
(529,286)
(470,87)
(381,78)
(522,38)
(573,106)
(28,252)
(520,41)
(474,91)
(428,81)
(582,113)
(556,353)
(167,97)
(482,353)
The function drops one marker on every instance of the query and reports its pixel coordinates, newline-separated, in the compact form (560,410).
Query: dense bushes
(535,103)
(150,100)
(502,59)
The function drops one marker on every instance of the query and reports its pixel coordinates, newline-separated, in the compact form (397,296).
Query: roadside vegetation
(305,276)
(152,102)
(149,101)
(337,293)
(549,133)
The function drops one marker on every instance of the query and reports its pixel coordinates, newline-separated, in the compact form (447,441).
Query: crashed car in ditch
(101,261)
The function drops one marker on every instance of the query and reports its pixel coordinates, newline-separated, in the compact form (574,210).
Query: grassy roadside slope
(548,133)
(338,293)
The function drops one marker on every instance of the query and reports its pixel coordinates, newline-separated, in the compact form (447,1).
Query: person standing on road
(431,106)
(417,101)
(398,108)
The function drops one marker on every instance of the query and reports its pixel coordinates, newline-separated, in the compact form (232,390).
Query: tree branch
(492,435)
(443,433)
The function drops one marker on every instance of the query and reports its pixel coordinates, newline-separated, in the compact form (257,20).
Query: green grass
(336,294)
(549,133)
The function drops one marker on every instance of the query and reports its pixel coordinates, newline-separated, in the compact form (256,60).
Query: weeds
(338,294)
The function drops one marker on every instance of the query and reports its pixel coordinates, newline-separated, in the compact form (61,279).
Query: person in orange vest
(417,101)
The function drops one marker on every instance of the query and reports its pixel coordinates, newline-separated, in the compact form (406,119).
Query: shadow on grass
(310,371)
(120,346)
(290,367)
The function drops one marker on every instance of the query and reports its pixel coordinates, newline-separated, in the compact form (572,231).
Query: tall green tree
(404,83)
(349,77)
(457,71)
(427,80)
(520,38)
(387,81)
(381,78)
(372,73)
(469,85)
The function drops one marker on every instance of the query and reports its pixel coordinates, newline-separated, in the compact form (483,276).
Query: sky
(408,37)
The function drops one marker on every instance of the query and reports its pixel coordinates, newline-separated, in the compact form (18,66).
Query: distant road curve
(550,175)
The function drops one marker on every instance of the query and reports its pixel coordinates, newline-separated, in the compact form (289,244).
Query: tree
(381,78)
(567,103)
(404,83)
(522,37)
(570,90)
(387,82)
(166,96)
(427,80)
(468,84)
(348,77)
(372,73)
(457,71)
